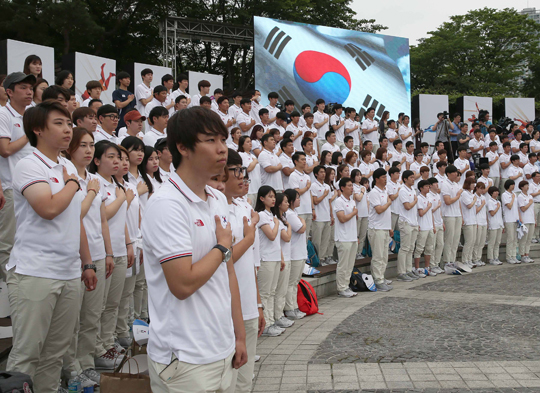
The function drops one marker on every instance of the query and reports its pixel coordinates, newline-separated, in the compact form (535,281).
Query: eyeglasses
(113,117)
(239,171)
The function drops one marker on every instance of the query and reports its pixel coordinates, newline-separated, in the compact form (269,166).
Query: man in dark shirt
(123,99)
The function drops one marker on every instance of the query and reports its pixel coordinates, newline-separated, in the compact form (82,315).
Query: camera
(503,124)
(330,108)
(445,115)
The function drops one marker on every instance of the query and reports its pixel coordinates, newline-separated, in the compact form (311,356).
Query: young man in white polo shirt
(330,144)
(323,217)
(143,92)
(286,160)
(380,228)
(392,189)
(270,164)
(273,110)
(425,239)
(510,217)
(338,125)
(190,273)
(321,121)
(485,178)
(183,83)
(434,197)
(13,147)
(158,118)
(108,121)
(345,236)
(299,180)
(530,167)
(494,165)
(370,129)
(441,170)
(297,131)
(514,172)
(244,119)
(534,190)
(504,161)
(462,164)
(408,228)
(451,212)
(204,89)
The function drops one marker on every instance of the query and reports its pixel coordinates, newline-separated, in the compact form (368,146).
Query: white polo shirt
(344,232)
(475,144)
(391,189)
(527,216)
(515,145)
(225,117)
(244,118)
(285,245)
(451,189)
(481,216)
(245,266)
(435,198)
(101,135)
(509,215)
(270,250)
(117,223)
(274,180)
(523,158)
(391,134)
(310,160)
(295,129)
(496,221)
(504,159)
(533,189)
(361,206)
(322,209)
(329,147)
(460,165)
(152,136)
(142,92)
(11,127)
(287,162)
(415,167)
(255,108)
(494,169)
(319,117)
(469,215)
(299,179)
(298,240)
(515,171)
(180,224)
(165,174)
(486,180)
(45,248)
(410,216)
(405,131)
(355,134)
(426,221)
(255,174)
(340,132)
(378,197)
(374,135)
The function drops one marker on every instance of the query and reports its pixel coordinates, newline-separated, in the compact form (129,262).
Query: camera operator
(443,132)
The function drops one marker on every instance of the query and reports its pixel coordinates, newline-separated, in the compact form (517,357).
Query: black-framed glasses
(113,117)
(239,171)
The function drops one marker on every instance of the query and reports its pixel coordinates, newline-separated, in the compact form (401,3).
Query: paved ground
(475,333)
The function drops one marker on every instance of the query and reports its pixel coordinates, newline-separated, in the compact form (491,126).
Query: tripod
(444,131)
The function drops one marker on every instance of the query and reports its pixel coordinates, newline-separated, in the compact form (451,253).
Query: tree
(486,52)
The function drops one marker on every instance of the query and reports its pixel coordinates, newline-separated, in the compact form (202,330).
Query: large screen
(306,62)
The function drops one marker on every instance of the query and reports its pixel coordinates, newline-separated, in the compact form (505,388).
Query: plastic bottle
(74,386)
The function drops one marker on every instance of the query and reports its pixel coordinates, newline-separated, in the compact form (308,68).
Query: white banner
(88,68)
(473,105)
(216,81)
(429,106)
(158,71)
(520,110)
(18,51)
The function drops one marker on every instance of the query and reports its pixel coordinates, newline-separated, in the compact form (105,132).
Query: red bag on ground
(307,298)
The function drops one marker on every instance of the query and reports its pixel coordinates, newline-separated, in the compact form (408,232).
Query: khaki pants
(511,240)
(361,229)
(451,238)
(331,243)
(140,295)
(308,218)
(438,246)
(537,217)
(496,181)
(469,236)
(408,235)
(494,242)
(47,312)
(481,234)
(346,259)
(321,237)
(281,291)
(320,142)
(525,241)
(241,379)
(267,278)
(379,239)
(252,198)
(395,218)
(122,323)
(192,378)
(424,243)
(297,267)
(7,232)
(114,286)
(501,187)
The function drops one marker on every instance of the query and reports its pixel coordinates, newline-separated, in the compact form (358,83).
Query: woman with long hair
(256,134)
(39,87)
(252,165)
(236,133)
(65,79)
(527,217)
(481,220)
(383,123)
(381,159)
(33,66)
(337,160)
(329,180)
(468,210)
(149,171)
(360,197)
(342,171)
(326,159)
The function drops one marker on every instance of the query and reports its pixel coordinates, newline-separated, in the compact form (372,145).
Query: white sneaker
(431,273)
(271,331)
(284,322)
(257,358)
(347,293)
(387,282)
(534,241)
(298,312)
(421,273)
(512,261)
(291,314)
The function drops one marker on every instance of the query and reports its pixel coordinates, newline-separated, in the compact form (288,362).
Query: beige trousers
(140,295)
(297,267)
(321,237)
(424,243)
(346,259)
(267,278)
(501,187)
(281,291)
(469,236)
(114,286)
(7,232)
(308,218)
(494,242)
(395,218)
(122,323)
(47,312)
(481,234)
(361,230)
(451,238)
(496,181)
(379,240)
(537,217)
(525,241)
(438,247)
(511,240)
(193,378)
(408,235)
(241,379)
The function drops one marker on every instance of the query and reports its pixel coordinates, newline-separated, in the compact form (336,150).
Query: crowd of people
(194,213)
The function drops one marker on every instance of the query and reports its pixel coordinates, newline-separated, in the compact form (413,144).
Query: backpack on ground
(14,381)
(361,282)
(307,298)
(313,258)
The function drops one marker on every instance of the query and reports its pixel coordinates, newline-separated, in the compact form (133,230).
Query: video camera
(445,115)
(503,123)
(330,108)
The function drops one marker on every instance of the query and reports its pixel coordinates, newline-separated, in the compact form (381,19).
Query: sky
(414,18)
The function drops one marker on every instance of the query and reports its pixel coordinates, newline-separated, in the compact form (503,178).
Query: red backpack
(307,298)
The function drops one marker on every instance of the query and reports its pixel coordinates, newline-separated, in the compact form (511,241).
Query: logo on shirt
(224,220)
(199,223)
(54,180)
(17,125)
(108,193)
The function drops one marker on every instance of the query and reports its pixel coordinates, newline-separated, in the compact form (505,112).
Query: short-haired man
(159,99)
(515,173)
(523,154)
(370,129)
(14,146)
(286,160)
(235,109)
(514,145)
(348,141)
(134,125)
(158,118)
(94,89)
(476,145)
(462,163)
(398,155)
(217,93)
(86,118)
(451,213)
(244,119)
(165,159)
(181,102)
(294,127)
(226,118)
(352,128)
(206,102)
(281,123)
(308,126)
(441,172)
(530,167)
(270,164)
(263,119)
(143,91)
(273,110)
(392,189)
(485,178)
(415,167)
(108,121)
(425,239)
(187,225)
(204,89)
(323,217)
(493,161)
(409,154)
(338,125)
(434,197)
(321,121)
(123,99)
(380,228)
(289,108)
(306,108)
(57,93)
(167,80)
(345,236)
(330,144)
(255,105)
(183,83)
(534,191)
(463,137)
(95,105)
(504,162)
(299,180)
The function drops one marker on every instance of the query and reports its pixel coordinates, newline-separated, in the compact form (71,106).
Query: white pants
(481,234)
(267,278)
(379,240)
(193,378)
(424,243)
(469,236)
(451,238)
(494,242)
(438,246)
(241,379)
(408,235)
(361,229)
(7,231)
(525,241)
(346,259)
(297,267)
(321,237)
(47,312)
(511,240)
(281,291)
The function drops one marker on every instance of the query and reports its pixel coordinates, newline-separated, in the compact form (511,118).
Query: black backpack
(361,282)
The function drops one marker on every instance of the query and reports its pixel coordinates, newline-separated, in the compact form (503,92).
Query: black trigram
(271,43)
(362,58)
(285,94)
(370,102)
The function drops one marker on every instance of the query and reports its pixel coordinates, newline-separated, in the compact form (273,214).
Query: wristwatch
(260,305)
(226,252)
(90,266)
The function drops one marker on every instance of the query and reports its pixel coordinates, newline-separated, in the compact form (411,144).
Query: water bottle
(74,386)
